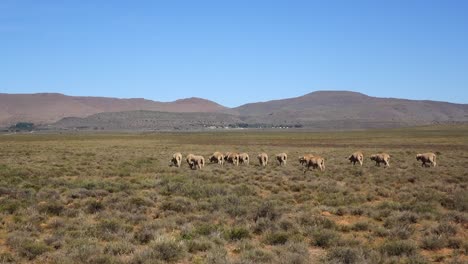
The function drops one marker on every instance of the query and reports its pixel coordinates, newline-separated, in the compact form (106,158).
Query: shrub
(267,210)
(107,229)
(460,201)
(276,238)
(94,206)
(294,253)
(381,232)
(54,241)
(6,257)
(402,232)
(262,225)
(10,206)
(257,256)
(119,248)
(315,221)
(324,238)
(445,229)
(26,246)
(194,246)
(433,242)
(455,243)
(179,204)
(53,208)
(165,250)
(360,226)
(345,255)
(205,229)
(408,217)
(237,233)
(398,248)
(217,255)
(144,235)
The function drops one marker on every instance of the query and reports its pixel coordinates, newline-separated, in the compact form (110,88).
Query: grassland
(112,198)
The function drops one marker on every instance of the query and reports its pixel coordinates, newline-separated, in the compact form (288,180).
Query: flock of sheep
(307,160)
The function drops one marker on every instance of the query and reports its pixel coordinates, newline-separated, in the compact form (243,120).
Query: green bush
(345,255)
(94,206)
(164,250)
(293,252)
(257,256)
(445,229)
(237,233)
(144,235)
(267,210)
(360,226)
(276,238)
(179,204)
(398,248)
(433,242)
(27,247)
(10,206)
(53,208)
(194,246)
(324,238)
(119,248)
(317,221)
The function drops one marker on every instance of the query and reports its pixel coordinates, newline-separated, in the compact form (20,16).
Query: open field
(112,198)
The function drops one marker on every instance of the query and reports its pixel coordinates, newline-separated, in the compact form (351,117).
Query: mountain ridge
(319,107)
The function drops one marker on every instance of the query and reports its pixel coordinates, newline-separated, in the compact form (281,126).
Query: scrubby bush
(26,246)
(360,226)
(179,204)
(276,238)
(324,238)
(257,256)
(144,235)
(237,233)
(217,255)
(163,250)
(433,242)
(345,255)
(197,245)
(94,206)
(53,207)
(119,248)
(445,229)
(294,253)
(398,248)
(316,221)
(266,210)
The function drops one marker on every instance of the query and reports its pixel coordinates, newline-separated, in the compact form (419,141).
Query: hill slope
(147,120)
(343,105)
(323,110)
(51,107)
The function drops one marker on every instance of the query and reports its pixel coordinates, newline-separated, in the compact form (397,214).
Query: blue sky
(235,52)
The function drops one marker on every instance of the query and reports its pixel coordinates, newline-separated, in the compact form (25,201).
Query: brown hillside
(51,107)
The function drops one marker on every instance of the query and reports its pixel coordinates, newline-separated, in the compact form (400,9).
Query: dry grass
(113,198)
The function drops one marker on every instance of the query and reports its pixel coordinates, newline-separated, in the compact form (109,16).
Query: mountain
(345,106)
(320,110)
(46,108)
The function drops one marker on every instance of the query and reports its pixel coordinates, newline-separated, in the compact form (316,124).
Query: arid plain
(113,198)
